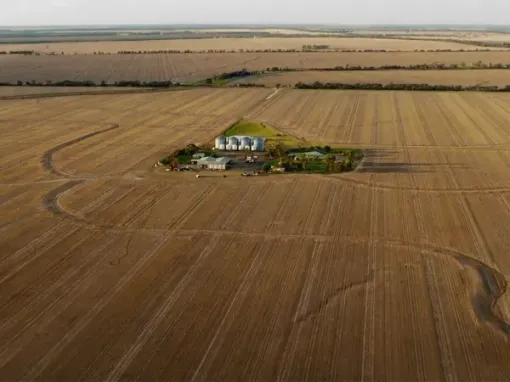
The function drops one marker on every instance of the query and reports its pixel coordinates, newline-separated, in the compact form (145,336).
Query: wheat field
(112,270)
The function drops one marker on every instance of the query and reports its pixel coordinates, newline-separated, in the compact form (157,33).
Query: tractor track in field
(47,156)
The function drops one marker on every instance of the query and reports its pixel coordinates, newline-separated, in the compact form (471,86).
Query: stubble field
(111,270)
(235,44)
(9,92)
(494,77)
(189,67)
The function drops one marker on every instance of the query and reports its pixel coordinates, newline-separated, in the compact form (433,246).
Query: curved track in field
(47,157)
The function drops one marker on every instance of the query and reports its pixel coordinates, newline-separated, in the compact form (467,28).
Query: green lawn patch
(260,129)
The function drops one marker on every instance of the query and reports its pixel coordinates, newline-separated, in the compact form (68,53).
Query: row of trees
(88,83)
(390,36)
(429,66)
(305,48)
(22,52)
(420,87)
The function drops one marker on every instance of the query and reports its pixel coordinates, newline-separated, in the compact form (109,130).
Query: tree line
(411,87)
(88,83)
(305,48)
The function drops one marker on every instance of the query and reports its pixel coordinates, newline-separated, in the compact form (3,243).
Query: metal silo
(245,143)
(258,144)
(233,142)
(221,140)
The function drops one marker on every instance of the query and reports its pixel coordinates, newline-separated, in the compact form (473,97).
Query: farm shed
(213,163)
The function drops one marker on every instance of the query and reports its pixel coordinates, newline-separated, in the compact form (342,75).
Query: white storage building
(214,163)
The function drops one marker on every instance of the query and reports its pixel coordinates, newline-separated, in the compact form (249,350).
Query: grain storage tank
(245,143)
(257,144)
(221,140)
(234,143)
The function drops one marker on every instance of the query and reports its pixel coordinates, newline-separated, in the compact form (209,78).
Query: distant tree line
(493,44)
(31,53)
(431,66)
(231,76)
(306,48)
(88,83)
(411,87)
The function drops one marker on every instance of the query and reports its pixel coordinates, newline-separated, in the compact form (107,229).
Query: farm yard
(194,67)
(494,77)
(234,44)
(112,271)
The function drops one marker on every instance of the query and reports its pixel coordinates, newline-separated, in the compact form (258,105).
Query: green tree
(267,167)
(303,160)
(348,160)
(329,161)
(275,149)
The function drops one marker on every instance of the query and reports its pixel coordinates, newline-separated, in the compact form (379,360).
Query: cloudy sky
(70,12)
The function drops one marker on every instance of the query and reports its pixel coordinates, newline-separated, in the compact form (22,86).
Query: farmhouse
(310,154)
(199,155)
(239,143)
(213,163)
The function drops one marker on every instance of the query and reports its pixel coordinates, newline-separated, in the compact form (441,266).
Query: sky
(340,12)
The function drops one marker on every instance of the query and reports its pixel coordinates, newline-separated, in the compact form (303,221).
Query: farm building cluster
(239,143)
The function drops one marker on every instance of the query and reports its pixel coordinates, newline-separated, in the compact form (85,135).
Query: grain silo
(234,143)
(219,142)
(257,144)
(245,143)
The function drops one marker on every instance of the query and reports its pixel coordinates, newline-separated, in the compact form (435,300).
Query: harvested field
(187,67)
(234,44)
(111,270)
(433,77)
(19,91)
(419,119)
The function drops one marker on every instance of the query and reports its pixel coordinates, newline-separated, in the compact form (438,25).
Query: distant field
(276,31)
(189,67)
(235,44)
(434,77)
(13,91)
